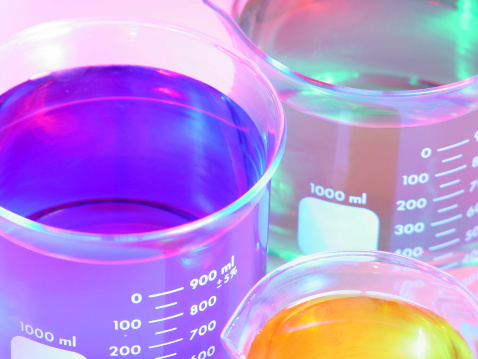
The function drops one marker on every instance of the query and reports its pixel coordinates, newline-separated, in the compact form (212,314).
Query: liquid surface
(120,149)
(358,327)
(342,176)
(123,149)
(373,44)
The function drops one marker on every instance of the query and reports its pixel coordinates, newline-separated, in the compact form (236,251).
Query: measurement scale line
(444,256)
(441,234)
(167,356)
(163,344)
(453,146)
(448,220)
(450,265)
(166,331)
(165,293)
(449,208)
(166,318)
(444,245)
(452,158)
(454,194)
(166,305)
(450,171)
(449,183)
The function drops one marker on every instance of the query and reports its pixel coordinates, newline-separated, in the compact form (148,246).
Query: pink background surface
(16,15)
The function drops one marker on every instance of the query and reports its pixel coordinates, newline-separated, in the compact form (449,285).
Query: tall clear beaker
(380,99)
(135,166)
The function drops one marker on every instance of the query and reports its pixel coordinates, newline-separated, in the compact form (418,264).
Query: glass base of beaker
(113,216)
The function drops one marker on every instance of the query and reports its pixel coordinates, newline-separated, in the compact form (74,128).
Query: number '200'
(125,350)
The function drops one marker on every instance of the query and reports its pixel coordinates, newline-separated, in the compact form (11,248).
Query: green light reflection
(336,77)
(466,38)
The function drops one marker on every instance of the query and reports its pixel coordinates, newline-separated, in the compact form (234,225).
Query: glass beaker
(380,99)
(135,166)
(355,304)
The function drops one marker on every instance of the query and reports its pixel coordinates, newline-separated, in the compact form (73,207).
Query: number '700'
(203,329)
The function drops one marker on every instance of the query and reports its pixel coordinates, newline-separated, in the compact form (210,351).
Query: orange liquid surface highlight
(357,327)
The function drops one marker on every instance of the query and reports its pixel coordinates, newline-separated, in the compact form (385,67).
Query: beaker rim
(272,157)
(302,268)
(328,87)
(388,257)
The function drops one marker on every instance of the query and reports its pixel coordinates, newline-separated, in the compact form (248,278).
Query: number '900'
(204,279)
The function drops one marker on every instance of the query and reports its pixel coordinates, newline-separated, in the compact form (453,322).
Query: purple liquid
(122,149)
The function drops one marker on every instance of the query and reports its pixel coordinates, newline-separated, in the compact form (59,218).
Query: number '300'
(410,228)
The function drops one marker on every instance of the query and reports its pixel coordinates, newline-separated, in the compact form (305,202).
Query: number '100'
(415,179)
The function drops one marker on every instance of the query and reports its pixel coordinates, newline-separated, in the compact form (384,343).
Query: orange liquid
(357,327)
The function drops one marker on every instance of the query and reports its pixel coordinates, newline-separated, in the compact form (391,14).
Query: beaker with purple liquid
(135,166)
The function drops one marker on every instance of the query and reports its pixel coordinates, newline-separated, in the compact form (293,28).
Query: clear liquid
(358,327)
(373,44)
(123,149)
(365,153)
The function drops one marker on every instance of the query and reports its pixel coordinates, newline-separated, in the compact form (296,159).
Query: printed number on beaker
(472,210)
(409,228)
(203,329)
(327,192)
(205,354)
(471,233)
(37,332)
(471,256)
(126,324)
(416,252)
(473,184)
(203,305)
(414,179)
(125,350)
(204,279)
(411,204)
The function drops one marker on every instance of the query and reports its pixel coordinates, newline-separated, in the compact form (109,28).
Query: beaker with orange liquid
(355,304)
